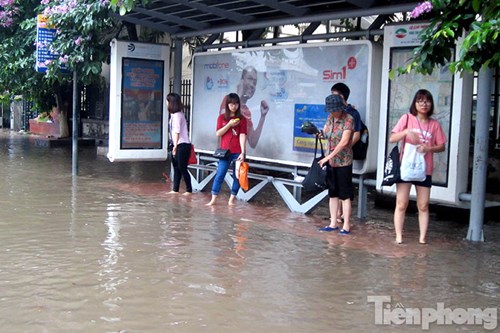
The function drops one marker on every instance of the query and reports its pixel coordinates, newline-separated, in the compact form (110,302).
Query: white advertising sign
(452,103)
(138,117)
(405,35)
(281,87)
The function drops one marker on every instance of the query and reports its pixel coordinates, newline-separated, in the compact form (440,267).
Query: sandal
(344,232)
(328,229)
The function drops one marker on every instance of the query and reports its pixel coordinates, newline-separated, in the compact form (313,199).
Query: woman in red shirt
(232,130)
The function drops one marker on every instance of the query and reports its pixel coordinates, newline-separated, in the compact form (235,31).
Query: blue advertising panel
(315,113)
(142,104)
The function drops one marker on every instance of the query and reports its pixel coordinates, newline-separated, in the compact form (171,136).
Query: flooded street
(111,251)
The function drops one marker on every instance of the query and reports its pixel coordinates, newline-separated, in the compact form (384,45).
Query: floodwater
(111,251)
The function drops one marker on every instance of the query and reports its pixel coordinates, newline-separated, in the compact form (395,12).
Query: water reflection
(111,275)
(110,251)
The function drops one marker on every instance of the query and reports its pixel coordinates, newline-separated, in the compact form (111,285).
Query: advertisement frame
(148,86)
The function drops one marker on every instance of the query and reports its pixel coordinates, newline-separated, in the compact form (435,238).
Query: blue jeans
(221,173)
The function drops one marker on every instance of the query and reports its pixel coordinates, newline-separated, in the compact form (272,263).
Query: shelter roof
(190,18)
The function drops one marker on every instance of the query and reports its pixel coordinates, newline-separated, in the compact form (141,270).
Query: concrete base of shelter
(51,142)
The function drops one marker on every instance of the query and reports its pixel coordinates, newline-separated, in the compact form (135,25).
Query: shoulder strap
(404,139)
(316,147)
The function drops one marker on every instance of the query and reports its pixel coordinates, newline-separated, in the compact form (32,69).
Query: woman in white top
(181,149)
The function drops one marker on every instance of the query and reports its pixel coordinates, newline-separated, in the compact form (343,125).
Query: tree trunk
(62,116)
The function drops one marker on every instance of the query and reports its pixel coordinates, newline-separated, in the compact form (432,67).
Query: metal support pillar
(362,198)
(480,162)
(74,168)
(177,65)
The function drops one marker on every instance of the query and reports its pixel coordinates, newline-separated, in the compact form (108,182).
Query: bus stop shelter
(211,19)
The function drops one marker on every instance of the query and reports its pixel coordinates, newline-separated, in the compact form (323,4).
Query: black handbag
(360,149)
(392,168)
(309,128)
(222,154)
(316,180)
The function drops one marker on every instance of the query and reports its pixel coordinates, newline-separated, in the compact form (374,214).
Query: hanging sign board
(45,34)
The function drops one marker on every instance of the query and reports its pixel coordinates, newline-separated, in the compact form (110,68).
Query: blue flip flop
(328,229)
(344,232)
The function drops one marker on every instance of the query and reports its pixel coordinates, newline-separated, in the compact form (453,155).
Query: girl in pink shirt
(420,129)
(181,145)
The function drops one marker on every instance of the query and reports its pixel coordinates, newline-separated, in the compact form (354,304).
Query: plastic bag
(242,173)
(412,164)
(192,156)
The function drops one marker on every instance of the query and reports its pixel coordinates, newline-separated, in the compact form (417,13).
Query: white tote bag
(412,164)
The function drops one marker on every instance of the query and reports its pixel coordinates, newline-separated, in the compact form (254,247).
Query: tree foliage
(17,52)
(82,38)
(124,6)
(83,31)
(475,20)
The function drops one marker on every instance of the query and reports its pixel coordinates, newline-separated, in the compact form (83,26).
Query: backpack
(361,147)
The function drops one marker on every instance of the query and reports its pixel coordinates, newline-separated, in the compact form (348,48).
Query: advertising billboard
(138,116)
(451,108)
(280,87)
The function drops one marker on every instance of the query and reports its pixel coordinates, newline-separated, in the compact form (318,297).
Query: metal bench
(293,199)
(290,190)
(204,173)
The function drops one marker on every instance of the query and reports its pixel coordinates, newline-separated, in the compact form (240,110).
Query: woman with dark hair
(338,130)
(178,134)
(232,130)
(418,128)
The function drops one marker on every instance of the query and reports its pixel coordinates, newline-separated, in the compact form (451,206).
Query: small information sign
(45,34)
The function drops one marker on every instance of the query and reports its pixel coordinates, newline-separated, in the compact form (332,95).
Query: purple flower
(5,3)
(424,7)
(7,22)
(7,13)
(78,41)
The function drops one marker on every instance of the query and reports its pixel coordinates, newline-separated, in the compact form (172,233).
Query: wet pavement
(111,251)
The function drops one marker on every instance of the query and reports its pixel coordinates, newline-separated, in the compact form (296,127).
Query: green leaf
(392,74)
(476,4)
